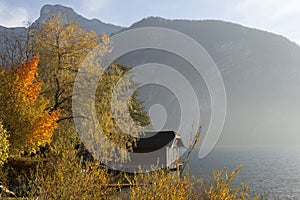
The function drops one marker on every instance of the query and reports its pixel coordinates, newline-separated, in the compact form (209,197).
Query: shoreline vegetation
(69,177)
(41,155)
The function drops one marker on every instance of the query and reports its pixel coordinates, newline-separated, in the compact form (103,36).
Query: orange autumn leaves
(44,127)
(29,89)
(27,84)
(23,108)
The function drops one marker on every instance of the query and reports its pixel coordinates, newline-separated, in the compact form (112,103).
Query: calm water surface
(275,171)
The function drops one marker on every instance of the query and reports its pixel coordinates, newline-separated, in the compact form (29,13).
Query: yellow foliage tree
(22,108)
(62,46)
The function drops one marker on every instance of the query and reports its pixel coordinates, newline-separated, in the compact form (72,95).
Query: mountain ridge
(58,8)
(234,24)
(88,24)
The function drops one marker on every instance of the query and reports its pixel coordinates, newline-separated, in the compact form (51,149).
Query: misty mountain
(261,73)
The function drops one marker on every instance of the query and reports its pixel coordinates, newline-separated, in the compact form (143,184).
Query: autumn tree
(63,47)
(22,108)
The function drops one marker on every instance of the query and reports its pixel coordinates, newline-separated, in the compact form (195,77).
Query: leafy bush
(4,145)
(162,185)
(221,188)
(66,177)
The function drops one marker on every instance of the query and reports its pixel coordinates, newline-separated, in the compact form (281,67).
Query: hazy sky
(278,16)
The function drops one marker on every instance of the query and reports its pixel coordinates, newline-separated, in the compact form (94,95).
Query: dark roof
(156,141)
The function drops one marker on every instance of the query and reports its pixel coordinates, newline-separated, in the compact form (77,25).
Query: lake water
(275,171)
